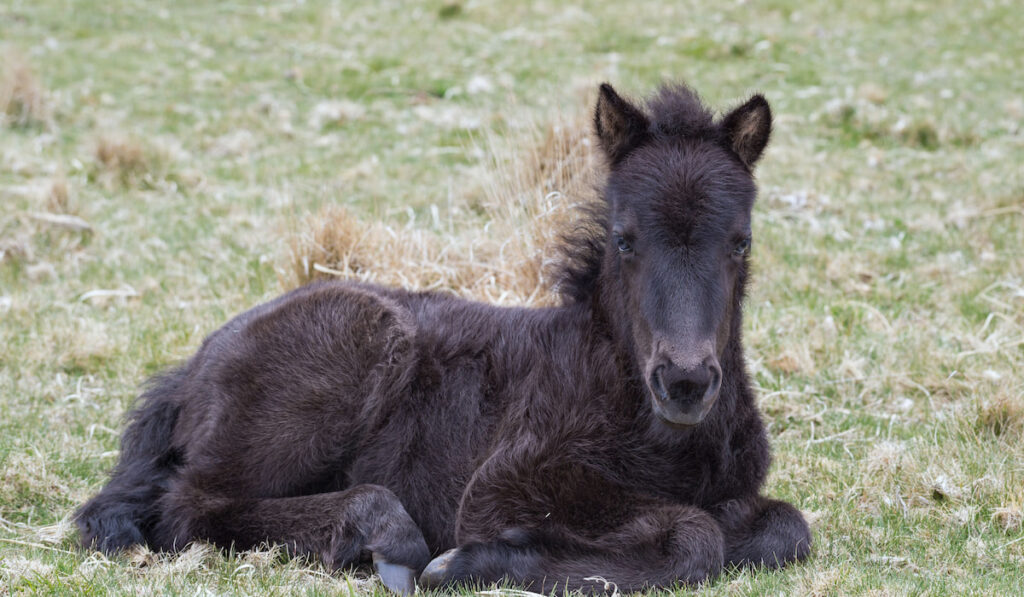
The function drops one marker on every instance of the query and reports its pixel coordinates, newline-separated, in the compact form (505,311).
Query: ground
(160,162)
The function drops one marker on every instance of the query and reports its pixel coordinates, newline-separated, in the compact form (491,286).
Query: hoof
(436,572)
(397,578)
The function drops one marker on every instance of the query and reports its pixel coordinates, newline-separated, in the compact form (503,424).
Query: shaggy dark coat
(615,436)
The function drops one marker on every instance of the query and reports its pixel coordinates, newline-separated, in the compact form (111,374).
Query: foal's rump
(272,405)
(283,394)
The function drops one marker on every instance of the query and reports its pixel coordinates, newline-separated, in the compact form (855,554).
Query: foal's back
(339,384)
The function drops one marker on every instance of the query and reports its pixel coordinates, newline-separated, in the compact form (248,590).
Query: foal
(615,436)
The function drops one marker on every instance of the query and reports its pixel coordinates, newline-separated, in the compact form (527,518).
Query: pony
(610,440)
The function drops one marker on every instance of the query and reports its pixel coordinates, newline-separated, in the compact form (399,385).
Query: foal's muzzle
(684,396)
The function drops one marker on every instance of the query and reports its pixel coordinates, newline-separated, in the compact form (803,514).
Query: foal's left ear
(748,128)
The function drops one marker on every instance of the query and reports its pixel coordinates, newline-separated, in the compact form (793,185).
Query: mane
(674,110)
(580,251)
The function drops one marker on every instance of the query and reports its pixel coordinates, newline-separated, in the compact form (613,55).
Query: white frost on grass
(334,113)
(448,116)
(16,568)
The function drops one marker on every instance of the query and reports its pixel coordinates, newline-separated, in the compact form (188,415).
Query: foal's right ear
(619,125)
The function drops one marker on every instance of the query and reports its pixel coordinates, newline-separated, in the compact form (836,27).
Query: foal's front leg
(657,545)
(761,531)
(338,527)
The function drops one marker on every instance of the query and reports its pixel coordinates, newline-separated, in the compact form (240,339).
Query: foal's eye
(623,245)
(742,247)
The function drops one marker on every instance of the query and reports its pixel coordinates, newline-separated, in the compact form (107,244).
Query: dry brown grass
(1002,414)
(16,248)
(22,98)
(126,161)
(60,200)
(1010,518)
(120,155)
(530,201)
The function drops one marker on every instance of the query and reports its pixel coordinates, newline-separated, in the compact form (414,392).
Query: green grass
(885,329)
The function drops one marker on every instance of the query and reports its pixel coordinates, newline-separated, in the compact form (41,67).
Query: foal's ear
(748,128)
(620,126)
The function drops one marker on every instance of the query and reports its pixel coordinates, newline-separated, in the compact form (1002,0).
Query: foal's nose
(688,388)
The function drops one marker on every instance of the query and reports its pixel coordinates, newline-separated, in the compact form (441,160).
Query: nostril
(658,382)
(716,374)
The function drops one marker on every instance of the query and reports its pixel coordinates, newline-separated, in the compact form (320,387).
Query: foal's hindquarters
(252,441)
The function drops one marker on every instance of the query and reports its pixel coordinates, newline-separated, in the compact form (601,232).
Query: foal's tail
(126,510)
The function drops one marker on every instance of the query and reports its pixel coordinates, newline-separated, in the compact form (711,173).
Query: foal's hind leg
(341,528)
(761,531)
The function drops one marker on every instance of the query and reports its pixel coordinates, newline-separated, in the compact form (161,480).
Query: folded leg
(342,528)
(762,531)
(658,546)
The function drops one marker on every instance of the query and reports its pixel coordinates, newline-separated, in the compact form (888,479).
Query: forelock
(685,188)
(677,111)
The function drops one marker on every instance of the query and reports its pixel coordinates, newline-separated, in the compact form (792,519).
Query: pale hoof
(397,578)
(436,572)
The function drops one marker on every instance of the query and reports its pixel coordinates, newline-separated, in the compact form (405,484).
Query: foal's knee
(765,532)
(698,546)
(383,522)
(673,544)
(786,534)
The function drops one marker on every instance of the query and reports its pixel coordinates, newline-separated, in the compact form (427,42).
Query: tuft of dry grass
(60,200)
(22,98)
(1002,414)
(1009,518)
(16,248)
(125,161)
(530,201)
(120,159)
(539,194)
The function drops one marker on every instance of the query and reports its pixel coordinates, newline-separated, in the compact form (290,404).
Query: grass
(159,163)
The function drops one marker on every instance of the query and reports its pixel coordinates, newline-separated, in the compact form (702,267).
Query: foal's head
(680,192)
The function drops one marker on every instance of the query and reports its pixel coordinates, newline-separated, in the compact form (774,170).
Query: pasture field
(165,165)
